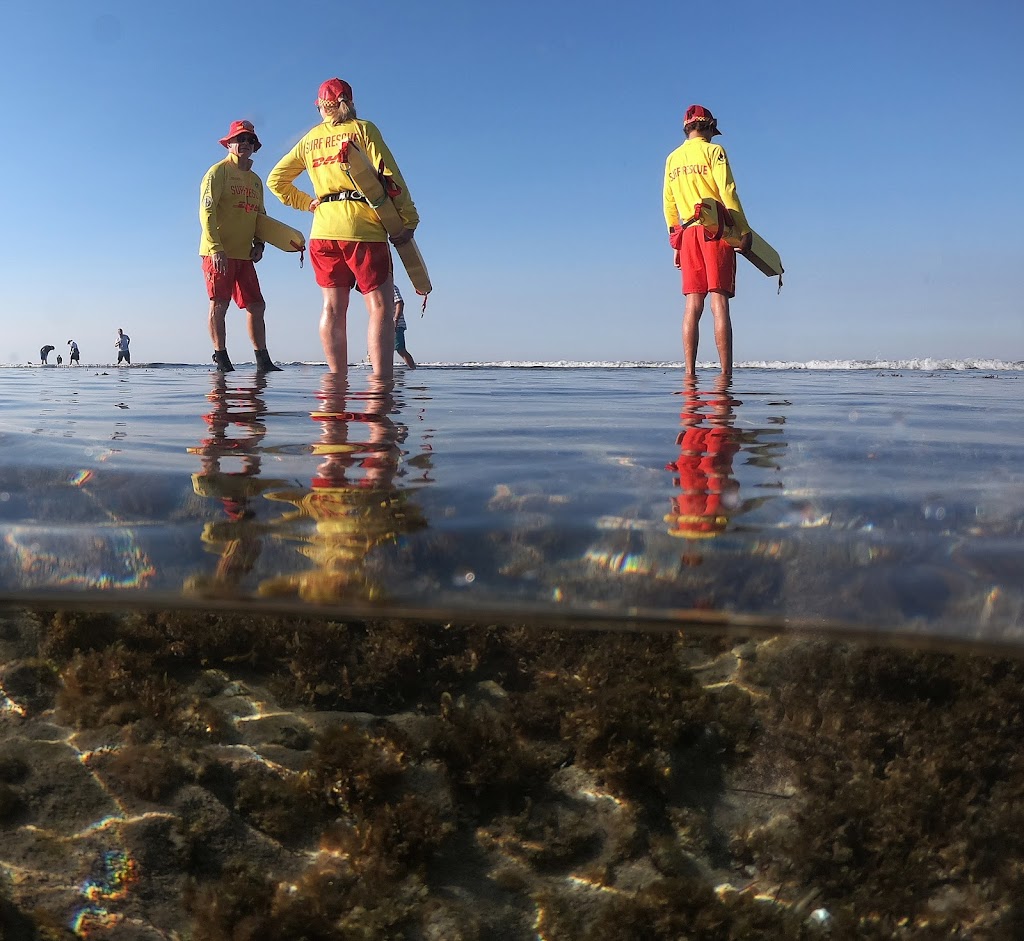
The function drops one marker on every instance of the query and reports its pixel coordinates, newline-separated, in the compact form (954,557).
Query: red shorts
(707,266)
(343,264)
(239,283)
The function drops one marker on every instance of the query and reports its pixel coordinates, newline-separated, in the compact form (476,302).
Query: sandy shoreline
(195,776)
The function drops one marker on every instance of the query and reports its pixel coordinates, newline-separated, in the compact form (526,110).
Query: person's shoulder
(219,167)
(369,128)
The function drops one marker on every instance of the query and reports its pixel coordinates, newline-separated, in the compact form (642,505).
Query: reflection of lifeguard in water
(708,491)
(352,501)
(238,538)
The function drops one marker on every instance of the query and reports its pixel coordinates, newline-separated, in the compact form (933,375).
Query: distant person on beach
(695,170)
(44,352)
(348,246)
(400,330)
(60,360)
(121,344)
(230,200)
(74,352)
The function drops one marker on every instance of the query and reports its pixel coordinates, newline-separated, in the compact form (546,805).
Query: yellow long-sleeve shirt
(318,154)
(230,198)
(693,171)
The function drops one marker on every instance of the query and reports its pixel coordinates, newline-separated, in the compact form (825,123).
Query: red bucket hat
(333,89)
(241,127)
(700,113)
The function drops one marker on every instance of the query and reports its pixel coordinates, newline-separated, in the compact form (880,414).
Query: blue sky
(875,145)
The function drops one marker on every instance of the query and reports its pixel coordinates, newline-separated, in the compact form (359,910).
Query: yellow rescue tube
(365,178)
(279,235)
(716,218)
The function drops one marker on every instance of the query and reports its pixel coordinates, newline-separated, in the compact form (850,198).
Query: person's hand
(675,260)
(220,262)
(745,242)
(404,236)
(257,251)
(313,203)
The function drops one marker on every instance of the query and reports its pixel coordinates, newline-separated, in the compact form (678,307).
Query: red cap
(241,127)
(700,113)
(333,89)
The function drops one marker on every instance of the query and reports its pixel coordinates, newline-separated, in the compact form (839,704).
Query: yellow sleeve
(670,207)
(379,155)
(209,197)
(280,180)
(722,173)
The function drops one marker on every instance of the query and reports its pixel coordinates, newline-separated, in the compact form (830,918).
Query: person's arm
(399,308)
(379,156)
(721,173)
(280,181)
(209,198)
(669,199)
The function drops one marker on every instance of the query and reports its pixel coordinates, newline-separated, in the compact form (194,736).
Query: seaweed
(326,904)
(668,910)
(491,767)
(912,770)
(148,771)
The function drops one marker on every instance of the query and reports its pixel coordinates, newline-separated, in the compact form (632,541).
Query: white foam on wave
(920,364)
(923,364)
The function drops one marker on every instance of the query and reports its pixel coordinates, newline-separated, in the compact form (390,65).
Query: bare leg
(333,328)
(409,361)
(218,332)
(691,331)
(257,325)
(380,331)
(723,330)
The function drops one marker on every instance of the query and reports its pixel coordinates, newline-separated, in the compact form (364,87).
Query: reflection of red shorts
(341,264)
(707,266)
(705,479)
(239,283)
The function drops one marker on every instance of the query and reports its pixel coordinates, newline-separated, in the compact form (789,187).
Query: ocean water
(879,498)
(512,651)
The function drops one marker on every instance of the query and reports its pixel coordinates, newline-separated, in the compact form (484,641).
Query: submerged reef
(210,776)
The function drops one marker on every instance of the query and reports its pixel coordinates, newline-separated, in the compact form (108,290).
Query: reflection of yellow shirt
(693,171)
(318,154)
(230,198)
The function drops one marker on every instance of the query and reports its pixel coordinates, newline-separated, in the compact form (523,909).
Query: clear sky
(876,145)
